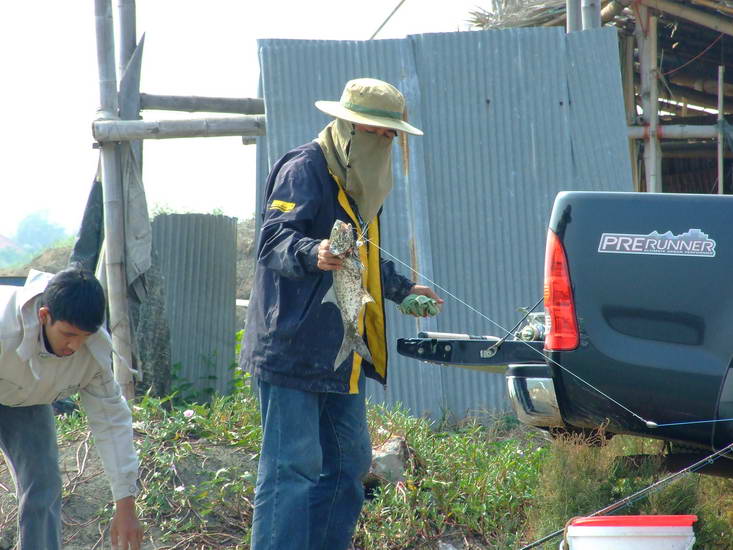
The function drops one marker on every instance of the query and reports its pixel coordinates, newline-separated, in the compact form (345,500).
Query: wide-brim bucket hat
(371,102)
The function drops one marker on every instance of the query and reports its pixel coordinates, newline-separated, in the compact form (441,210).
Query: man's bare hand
(326,260)
(126,531)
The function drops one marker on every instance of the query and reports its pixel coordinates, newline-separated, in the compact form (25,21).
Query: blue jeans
(28,440)
(315,453)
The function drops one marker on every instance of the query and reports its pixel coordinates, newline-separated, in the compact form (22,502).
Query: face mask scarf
(361,162)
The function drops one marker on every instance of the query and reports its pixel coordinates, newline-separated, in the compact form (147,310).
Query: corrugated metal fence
(511,117)
(196,255)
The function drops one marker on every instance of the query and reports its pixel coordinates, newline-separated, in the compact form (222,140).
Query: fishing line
(545,357)
(622,503)
(648,423)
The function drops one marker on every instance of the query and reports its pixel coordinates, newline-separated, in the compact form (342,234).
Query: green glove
(419,305)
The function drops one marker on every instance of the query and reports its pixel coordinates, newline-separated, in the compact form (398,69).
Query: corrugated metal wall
(197,258)
(506,114)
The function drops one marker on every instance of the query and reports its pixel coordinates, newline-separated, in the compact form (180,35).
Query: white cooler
(631,533)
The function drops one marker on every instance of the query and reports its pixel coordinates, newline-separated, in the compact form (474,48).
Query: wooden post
(113,208)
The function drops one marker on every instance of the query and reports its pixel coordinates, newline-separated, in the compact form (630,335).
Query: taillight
(562,326)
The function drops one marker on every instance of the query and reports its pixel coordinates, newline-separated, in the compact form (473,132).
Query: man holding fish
(319,248)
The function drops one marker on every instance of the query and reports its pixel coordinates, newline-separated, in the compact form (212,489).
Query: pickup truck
(637,328)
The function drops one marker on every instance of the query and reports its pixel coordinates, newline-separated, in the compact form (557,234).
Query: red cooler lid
(635,521)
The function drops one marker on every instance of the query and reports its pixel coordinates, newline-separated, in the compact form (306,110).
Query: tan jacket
(31,375)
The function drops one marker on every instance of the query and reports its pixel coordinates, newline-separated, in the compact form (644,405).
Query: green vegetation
(578,478)
(35,233)
(491,485)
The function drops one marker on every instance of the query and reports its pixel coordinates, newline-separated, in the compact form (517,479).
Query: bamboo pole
(691,14)
(704,85)
(590,14)
(630,104)
(613,8)
(701,99)
(106,131)
(714,5)
(574,21)
(679,107)
(113,209)
(105,50)
(128,32)
(721,137)
(646,38)
(674,131)
(191,104)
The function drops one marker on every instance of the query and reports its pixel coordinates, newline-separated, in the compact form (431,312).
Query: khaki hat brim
(335,109)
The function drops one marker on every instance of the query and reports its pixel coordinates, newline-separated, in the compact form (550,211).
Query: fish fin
(362,349)
(351,342)
(366,298)
(330,296)
(343,353)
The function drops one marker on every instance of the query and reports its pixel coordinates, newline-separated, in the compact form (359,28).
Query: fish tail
(351,342)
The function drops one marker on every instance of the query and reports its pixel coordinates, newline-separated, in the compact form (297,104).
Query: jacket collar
(34,286)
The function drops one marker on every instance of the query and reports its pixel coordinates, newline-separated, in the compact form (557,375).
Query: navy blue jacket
(291,337)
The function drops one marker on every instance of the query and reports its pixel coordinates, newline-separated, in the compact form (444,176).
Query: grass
(578,479)
(492,485)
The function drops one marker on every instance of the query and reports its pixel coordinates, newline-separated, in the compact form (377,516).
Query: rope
(696,57)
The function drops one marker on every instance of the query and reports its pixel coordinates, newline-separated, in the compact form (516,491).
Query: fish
(347,292)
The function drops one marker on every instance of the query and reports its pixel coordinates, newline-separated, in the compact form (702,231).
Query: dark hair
(75,296)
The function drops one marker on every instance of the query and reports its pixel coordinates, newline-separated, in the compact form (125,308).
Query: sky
(50,92)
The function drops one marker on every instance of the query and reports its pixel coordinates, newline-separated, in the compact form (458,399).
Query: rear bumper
(532,394)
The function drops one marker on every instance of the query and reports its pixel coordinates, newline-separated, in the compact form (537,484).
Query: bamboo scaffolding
(130,67)
(674,131)
(609,10)
(721,137)
(691,14)
(630,102)
(590,12)
(106,131)
(704,85)
(679,108)
(646,38)
(685,94)
(128,32)
(614,8)
(191,104)
(714,5)
(574,20)
(113,203)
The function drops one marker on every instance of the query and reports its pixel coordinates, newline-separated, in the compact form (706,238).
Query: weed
(493,482)
(577,479)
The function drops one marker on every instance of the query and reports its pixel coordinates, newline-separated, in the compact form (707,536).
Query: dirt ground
(87,496)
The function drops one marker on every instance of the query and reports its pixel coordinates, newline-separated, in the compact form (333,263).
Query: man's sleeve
(395,287)
(111,424)
(291,207)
